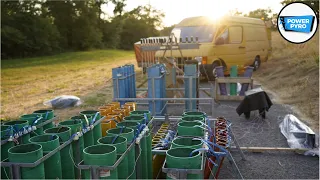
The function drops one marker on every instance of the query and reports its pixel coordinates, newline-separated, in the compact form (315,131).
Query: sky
(177,10)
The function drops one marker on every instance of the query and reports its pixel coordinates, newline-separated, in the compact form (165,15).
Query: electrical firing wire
(35,133)
(135,162)
(5,172)
(158,173)
(72,158)
(8,132)
(210,167)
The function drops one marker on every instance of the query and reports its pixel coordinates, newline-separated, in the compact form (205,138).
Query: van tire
(212,73)
(256,64)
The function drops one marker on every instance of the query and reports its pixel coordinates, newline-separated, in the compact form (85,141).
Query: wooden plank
(261,149)
(231,80)
(226,97)
(234,80)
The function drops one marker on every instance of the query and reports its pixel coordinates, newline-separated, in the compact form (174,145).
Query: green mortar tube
(128,133)
(121,146)
(67,164)
(233,86)
(94,115)
(53,164)
(18,125)
(88,139)
(31,120)
(180,158)
(103,155)
(28,153)
(46,114)
(77,146)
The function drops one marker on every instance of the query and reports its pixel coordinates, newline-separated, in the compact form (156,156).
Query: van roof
(204,20)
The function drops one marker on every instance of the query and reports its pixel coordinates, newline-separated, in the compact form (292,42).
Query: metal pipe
(212,100)
(171,89)
(47,122)
(176,104)
(159,99)
(160,152)
(38,126)
(153,95)
(15,171)
(163,108)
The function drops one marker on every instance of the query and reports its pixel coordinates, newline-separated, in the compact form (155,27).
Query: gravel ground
(256,132)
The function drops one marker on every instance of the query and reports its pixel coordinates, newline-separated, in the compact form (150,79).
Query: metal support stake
(94,173)
(237,144)
(78,158)
(15,171)
(117,85)
(234,165)
(212,100)
(153,95)
(190,93)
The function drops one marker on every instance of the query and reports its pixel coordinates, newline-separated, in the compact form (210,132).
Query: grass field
(27,83)
(293,74)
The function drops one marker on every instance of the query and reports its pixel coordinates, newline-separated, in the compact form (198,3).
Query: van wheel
(256,64)
(212,71)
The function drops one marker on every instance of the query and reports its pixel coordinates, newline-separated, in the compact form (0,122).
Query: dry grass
(293,74)
(27,83)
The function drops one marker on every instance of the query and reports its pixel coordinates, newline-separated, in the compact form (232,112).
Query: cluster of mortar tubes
(221,131)
(169,40)
(160,134)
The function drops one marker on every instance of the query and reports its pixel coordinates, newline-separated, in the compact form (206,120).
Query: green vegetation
(35,28)
(292,72)
(26,83)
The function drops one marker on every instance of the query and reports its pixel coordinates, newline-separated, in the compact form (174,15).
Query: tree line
(42,27)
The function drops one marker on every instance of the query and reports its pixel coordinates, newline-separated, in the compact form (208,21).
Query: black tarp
(255,99)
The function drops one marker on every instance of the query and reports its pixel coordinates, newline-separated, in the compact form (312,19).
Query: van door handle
(241,47)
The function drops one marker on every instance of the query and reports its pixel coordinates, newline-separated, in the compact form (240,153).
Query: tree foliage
(138,23)
(263,14)
(314,4)
(166,30)
(40,27)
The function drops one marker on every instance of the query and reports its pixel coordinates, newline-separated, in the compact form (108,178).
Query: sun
(216,11)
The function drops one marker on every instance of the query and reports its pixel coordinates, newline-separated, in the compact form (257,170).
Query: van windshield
(204,33)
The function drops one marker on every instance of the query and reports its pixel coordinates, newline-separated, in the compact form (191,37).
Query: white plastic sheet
(299,135)
(63,101)
(238,88)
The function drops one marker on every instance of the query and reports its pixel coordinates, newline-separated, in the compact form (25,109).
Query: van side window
(225,36)
(235,35)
